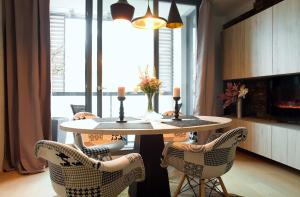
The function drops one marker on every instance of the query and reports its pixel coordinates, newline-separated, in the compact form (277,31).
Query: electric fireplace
(273,98)
(285,98)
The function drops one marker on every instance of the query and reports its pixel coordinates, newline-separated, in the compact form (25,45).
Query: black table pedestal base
(156,183)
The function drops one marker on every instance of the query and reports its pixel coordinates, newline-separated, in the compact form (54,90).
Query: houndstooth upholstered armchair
(204,162)
(73,174)
(97,146)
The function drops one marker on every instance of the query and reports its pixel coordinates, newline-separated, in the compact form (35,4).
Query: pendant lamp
(122,10)
(174,19)
(149,21)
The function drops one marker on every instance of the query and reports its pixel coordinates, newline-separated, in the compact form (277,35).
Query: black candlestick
(121,112)
(177,108)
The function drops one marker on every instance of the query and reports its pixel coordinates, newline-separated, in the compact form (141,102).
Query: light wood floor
(248,177)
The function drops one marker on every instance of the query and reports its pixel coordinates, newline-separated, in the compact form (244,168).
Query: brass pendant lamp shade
(122,10)
(149,21)
(174,19)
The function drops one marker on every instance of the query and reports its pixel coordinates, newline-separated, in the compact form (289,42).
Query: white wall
(1,93)
(218,24)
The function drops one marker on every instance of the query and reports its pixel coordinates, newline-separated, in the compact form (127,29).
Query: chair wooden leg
(223,186)
(179,186)
(202,188)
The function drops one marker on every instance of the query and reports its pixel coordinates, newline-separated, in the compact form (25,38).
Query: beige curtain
(205,94)
(27,67)
(2,109)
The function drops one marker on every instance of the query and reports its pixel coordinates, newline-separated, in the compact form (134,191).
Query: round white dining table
(91,126)
(149,143)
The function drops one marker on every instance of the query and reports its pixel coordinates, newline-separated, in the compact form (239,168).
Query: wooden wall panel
(286,39)
(257,54)
(233,39)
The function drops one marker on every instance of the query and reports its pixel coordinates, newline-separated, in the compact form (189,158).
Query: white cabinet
(279,144)
(233,39)
(286,39)
(286,145)
(247,47)
(257,54)
(265,44)
(261,139)
(293,148)
(258,138)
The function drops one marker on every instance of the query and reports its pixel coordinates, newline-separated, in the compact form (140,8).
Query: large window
(67,34)
(126,50)
(116,58)
(177,51)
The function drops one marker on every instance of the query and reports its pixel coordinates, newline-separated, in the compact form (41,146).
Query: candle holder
(121,110)
(177,108)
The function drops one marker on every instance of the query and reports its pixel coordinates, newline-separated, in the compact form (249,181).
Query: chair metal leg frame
(187,186)
(192,183)
(192,187)
(214,183)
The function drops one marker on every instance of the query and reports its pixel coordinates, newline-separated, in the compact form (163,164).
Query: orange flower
(148,84)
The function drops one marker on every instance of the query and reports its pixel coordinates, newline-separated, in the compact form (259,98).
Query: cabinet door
(279,144)
(261,139)
(258,44)
(233,39)
(247,143)
(294,148)
(286,39)
(237,123)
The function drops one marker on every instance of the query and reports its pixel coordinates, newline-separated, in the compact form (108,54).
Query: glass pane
(177,58)
(67,32)
(125,51)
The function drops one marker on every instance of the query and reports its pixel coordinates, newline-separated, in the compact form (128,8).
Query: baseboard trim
(292,169)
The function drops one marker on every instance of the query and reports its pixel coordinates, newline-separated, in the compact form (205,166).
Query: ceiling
(78,7)
(225,7)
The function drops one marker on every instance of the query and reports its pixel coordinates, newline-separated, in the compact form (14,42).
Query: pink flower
(232,92)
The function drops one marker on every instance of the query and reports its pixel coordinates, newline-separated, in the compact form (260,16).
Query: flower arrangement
(232,93)
(149,85)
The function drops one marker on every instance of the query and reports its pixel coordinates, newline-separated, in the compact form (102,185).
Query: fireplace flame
(288,105)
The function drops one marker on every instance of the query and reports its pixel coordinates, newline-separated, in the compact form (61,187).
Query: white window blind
(166,59)
(57,40)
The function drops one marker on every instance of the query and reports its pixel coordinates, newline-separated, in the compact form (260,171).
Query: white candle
(176,92)
(121,91)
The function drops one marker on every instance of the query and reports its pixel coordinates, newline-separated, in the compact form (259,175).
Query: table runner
(188,122)
(114,119)
(182,117)
(113,125)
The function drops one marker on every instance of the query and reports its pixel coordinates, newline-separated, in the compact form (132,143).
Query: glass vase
(239,107)
(150,102)
(150,114)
